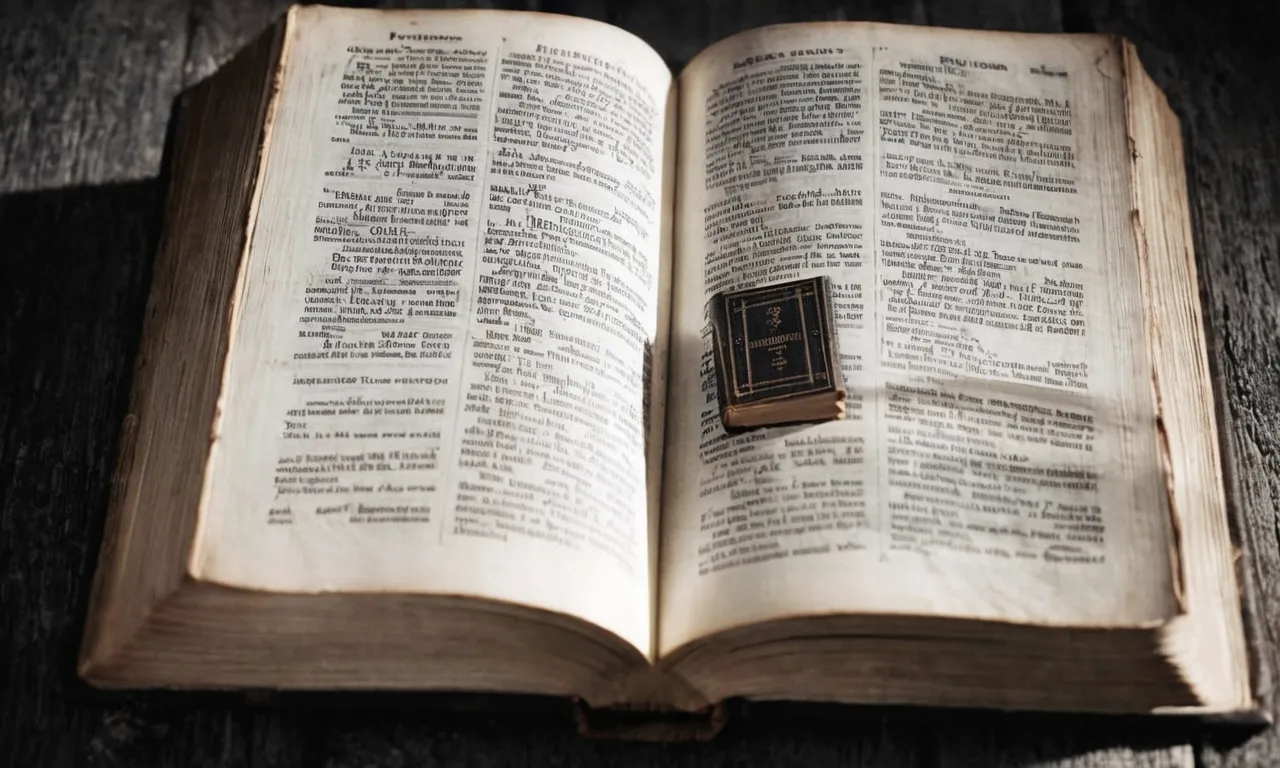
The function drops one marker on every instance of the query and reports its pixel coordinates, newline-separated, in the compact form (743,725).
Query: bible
(426,396)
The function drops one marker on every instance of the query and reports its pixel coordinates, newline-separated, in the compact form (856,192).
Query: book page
(449,319)
(968,195)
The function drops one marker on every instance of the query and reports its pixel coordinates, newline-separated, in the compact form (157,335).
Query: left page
(446,327)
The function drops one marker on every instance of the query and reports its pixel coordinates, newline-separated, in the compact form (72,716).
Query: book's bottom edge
(657,724)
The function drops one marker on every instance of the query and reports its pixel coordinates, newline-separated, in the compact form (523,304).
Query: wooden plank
(86,90)
(76,264)
(1028,16)
(1060,743)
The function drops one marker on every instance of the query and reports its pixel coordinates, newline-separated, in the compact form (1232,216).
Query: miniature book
(776,356)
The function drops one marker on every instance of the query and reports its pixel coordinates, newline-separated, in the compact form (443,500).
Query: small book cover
(775,355)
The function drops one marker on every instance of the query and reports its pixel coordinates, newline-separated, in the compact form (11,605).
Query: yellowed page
(438,379)
(968,195)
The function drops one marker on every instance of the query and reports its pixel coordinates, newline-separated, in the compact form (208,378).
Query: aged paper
(438,381)
(965,192)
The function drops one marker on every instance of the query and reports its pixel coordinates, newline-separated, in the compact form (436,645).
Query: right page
(968,194)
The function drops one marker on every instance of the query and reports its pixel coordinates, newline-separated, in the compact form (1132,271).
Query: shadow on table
(75,269)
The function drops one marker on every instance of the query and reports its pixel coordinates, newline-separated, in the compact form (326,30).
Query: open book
(425,398)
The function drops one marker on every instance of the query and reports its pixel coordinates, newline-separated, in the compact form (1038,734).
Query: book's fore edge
(1131,70)
(280,36)
(1260,674)
(125,594)
(1261,667)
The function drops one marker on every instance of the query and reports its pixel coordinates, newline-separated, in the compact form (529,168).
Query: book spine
(720,348)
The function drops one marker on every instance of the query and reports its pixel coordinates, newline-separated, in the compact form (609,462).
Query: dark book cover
(775,344)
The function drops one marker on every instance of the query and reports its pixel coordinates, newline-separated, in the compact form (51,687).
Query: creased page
(438,376)
(967,193)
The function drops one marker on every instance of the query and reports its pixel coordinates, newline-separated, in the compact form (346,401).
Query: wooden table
(85,94)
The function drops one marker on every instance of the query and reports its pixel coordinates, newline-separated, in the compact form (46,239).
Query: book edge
(281,34)
(108,626)
(1256,701)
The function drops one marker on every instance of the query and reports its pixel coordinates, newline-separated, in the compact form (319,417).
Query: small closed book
(776,355)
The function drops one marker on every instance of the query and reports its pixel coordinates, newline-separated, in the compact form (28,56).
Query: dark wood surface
(85,93)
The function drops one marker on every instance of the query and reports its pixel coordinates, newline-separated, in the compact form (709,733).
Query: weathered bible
(425,397)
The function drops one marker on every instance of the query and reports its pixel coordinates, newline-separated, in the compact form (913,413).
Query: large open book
(425,398)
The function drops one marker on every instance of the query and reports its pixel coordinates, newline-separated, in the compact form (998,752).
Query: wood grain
(86,87)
